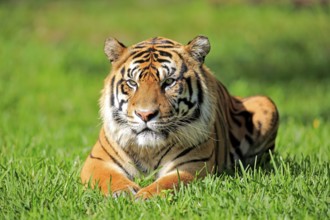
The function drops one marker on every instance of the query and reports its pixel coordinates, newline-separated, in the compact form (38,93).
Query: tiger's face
(157,93)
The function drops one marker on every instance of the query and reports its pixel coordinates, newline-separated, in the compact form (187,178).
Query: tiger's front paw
(116,189)
(145,193)
(127,191)
(149,192)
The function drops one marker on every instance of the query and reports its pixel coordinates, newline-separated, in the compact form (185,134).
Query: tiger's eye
(169,82)
(131,83)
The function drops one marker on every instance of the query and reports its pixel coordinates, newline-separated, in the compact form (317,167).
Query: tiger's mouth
(146,130)
(149,133)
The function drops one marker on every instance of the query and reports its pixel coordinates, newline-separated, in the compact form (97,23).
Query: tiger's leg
(105,168)
(256,130)
(107,177)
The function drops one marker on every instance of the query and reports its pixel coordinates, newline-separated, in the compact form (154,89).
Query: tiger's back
(164,111)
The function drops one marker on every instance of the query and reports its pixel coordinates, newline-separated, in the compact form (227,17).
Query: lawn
(52,68)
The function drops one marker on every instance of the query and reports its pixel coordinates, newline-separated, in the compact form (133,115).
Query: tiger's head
(158,93)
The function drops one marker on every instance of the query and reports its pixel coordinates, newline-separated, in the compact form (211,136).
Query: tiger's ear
(199,47)
(113,49)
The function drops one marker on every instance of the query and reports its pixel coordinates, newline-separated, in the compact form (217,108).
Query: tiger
(164,112)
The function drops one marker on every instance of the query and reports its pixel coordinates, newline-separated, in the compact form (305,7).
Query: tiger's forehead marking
(151,55)
(157,42)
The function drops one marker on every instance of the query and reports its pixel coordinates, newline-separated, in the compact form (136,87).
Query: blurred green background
(52,68)
(52,64)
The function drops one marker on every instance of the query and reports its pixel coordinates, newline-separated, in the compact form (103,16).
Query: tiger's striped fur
(164,111)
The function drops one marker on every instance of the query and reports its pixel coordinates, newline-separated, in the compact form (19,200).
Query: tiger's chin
(151,139)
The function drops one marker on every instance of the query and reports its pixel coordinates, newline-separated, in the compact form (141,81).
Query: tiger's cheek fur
(113,103)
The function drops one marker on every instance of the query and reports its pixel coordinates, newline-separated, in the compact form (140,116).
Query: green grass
(52,68)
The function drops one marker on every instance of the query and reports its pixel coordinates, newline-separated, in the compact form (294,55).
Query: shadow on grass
(292,166)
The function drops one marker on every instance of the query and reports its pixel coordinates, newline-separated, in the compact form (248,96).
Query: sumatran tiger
(163,111)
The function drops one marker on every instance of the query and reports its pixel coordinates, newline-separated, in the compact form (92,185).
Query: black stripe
(132,71)
(157,73)
(96,158)
(183,70)
(184,152)
(117,118)
(134,51)
(112,96)
(177,109)
(248,139)
(122,88)
(163,60)
(128,72)
(188,81)
(121,103)
(140,54)
(204,159)
(248,119)
(140,61)
(117,92)
(184,113)
(147,55)
(242,113)
(193,117)
(196,114)
(180,90)
(115,160)
(235,143)
(186,102)
(118,84)
(166,42)
(249,123)
(153,67)
(236,121)
(139,46)
(122,71)
(165,132)
(121,44)
(165,54)
(173,70)
(164,46)
(161,158)
(167,69)
(142,75)
(231,157)
(116,152)
(200,89)
(151,49)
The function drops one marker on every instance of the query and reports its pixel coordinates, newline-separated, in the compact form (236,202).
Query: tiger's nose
(147,115)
